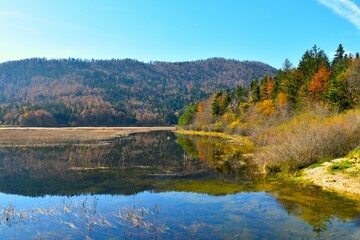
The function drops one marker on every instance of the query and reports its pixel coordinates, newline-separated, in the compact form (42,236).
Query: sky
(177,30)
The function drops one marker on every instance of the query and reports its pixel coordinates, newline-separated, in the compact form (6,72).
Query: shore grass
(239,139)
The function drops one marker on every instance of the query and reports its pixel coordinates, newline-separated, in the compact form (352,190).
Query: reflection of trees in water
(124,165)
(314,206)
(223,156)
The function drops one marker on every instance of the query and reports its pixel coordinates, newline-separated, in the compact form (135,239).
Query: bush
(308,138)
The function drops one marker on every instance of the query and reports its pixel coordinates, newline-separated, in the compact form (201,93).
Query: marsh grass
(79,219)
(193,228)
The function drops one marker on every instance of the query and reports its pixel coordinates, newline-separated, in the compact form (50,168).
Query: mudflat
(30,136)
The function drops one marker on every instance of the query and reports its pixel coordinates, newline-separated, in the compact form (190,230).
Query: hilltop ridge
(75,92)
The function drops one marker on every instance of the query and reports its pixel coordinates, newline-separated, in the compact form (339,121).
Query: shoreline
(341,182)
(338,182)
(235,138)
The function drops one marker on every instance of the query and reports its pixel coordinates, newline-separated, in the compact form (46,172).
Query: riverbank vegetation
(302,115)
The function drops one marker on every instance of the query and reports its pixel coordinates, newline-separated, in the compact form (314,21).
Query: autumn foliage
(301,115)
(319,82)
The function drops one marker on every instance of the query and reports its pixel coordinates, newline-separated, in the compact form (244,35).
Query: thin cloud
(346,9)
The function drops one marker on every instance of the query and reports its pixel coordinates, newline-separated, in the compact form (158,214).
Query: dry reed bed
(18,136)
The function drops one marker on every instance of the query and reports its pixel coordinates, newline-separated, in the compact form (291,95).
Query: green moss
(340,166)
(319,163)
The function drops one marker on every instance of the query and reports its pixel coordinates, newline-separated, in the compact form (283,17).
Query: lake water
(159,186)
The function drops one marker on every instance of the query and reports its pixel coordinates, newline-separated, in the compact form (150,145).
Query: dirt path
(14,136)
(344,181)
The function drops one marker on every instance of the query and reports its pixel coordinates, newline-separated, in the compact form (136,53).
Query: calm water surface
(159,186)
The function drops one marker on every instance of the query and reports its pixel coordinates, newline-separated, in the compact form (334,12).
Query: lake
(159,185)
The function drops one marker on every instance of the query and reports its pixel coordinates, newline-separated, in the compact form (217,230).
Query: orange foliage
(282,99)
(319,82)
(266,107)
(267,89)
(200,107)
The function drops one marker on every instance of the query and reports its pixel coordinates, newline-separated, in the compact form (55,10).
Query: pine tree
(215,107)
(311,61)
(226,101)
(255,91)
(339,55)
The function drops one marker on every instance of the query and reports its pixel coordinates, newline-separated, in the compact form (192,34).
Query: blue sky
(177,30)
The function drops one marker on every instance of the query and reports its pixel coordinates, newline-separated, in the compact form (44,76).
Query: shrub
(308,138)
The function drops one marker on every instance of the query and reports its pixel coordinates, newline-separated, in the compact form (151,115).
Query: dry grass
(83,217)
(308,138)
(53,136)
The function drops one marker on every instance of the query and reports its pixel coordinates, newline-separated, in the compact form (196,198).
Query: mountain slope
(40,92)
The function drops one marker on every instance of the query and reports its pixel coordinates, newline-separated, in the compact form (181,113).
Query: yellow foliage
(233,125)
(282,99)
(228,117)
(265,107)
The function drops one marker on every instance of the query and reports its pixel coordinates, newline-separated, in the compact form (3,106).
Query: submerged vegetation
(302,115)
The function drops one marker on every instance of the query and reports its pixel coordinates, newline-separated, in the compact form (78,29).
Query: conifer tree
(339,55)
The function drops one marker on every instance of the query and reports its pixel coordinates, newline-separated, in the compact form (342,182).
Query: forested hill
(73,92)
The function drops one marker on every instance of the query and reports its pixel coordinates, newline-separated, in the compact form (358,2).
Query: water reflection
(311,204)
(168,170)
(123,166)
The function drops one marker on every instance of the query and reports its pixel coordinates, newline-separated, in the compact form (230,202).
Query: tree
(215,107)
(240,94)
(188,116)
(290,83)
(267,88)
(255,91)
(226,101)
(318,83)
(339,55)
(311,61)
(353,83)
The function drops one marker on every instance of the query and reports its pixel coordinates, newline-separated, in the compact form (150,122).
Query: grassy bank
(239,139)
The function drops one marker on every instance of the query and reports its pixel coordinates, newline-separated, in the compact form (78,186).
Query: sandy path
(47,136)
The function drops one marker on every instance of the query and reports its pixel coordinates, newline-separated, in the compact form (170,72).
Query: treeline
(74,92)
(315,82)
(301,115)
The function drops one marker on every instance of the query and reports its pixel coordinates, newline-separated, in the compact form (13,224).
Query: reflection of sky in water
(281,212)
(243,215)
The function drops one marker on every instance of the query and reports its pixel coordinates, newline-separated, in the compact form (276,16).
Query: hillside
(73,92)
(303,115)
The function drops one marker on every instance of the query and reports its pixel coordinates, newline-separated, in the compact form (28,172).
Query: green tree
(255,95)
(339,55)
(188,116)
(226,101)
(311,61)
(216,105)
